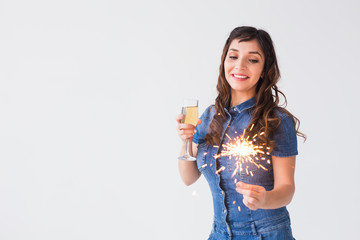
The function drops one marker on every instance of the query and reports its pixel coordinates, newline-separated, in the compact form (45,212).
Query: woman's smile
(240,77)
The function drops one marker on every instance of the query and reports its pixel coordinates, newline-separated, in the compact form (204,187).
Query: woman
(249,199)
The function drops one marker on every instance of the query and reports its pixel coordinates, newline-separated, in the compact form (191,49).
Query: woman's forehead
(238,43)
(245,46)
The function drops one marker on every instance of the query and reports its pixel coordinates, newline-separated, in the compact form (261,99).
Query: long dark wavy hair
(264,118)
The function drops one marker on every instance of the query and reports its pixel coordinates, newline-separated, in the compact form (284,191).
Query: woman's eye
(232,57)
(254,61)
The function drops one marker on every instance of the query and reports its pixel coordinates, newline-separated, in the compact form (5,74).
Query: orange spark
(220,169)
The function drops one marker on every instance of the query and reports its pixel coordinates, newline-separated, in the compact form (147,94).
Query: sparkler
(245,150)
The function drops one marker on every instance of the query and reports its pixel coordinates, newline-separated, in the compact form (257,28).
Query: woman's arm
(284,187)
(284,184)
(188,169)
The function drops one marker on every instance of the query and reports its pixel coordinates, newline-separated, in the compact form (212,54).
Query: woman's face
(243,67)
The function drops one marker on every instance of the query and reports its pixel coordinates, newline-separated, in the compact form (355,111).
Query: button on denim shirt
(228,204)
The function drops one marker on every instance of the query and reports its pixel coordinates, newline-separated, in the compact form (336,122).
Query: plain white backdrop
(89,91)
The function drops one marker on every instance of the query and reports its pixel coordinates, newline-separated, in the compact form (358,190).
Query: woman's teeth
(237,76)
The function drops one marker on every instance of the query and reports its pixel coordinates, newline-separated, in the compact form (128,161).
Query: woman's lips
(239,77)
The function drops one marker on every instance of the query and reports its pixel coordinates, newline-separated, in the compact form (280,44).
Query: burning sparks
(244,150)
(220,169)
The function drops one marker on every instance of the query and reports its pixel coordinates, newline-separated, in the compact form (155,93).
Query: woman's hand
(254,195)
(189,171)
(185,131)
(284,187)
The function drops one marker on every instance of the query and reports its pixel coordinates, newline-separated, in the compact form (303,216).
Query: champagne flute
(190,110)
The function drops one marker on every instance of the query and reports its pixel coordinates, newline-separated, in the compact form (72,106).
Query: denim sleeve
(285,138)
(202,129)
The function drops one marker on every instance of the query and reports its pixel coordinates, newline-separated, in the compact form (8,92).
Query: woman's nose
(241,64)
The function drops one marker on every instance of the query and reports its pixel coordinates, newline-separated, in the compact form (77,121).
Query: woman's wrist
(278,198)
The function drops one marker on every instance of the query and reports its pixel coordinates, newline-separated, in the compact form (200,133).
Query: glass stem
(187,147)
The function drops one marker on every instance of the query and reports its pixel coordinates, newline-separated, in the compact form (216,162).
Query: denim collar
(243,106)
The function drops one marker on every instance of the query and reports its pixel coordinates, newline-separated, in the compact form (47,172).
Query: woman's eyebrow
(256,53)
(251,52)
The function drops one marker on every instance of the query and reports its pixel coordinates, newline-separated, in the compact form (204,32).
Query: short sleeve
(285,138)
(202,129)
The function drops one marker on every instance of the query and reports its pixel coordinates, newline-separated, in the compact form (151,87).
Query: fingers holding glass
(187,123)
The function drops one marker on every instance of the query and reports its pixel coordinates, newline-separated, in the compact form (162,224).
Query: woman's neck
(237,98)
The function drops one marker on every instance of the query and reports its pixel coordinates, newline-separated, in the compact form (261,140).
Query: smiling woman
(249,201)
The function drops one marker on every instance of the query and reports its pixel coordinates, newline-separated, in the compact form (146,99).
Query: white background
(89,91)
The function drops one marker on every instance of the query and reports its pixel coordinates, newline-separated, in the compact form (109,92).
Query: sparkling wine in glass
(190,110)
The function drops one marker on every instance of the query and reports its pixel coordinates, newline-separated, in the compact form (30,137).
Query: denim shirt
(228,204)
